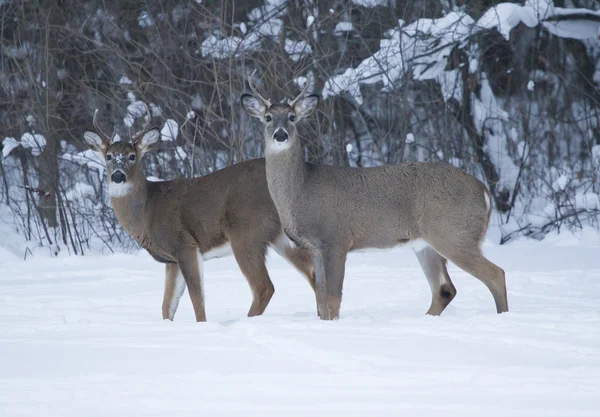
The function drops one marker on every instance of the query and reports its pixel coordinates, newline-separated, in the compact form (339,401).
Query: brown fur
(175,221)
(333,210)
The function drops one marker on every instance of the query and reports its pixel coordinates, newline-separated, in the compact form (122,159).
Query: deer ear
(147,141)
(95,141)
(306,105)
(253,106)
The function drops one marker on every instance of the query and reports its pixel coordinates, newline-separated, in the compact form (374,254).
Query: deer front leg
(329,279)
(174,287)
(189,265)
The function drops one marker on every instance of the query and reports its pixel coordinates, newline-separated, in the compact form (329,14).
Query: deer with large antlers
(183,222)
(441,211)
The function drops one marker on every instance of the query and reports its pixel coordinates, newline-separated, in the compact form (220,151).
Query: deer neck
(286,173)
(129,207)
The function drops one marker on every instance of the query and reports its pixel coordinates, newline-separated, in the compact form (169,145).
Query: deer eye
(108,157)
(292,117)
(268,118)
(132,157)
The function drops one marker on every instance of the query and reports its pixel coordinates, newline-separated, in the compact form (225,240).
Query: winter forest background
(510,92)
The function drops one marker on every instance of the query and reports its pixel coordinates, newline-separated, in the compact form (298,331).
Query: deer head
(279,119)
(122,158)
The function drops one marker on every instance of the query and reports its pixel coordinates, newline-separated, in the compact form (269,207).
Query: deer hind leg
(250,256)
(330,268)
(302,261)
(190,268)
(174,287)
(442,289)
(470,259)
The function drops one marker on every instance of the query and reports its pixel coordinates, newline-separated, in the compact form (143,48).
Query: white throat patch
(118,190)
(275,147)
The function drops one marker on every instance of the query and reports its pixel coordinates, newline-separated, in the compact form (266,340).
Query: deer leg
(335,268)
(442,289)
(320,284)
(302,261)
(473,262)
(188,263)
(251,260)
(174,287)
(329,272)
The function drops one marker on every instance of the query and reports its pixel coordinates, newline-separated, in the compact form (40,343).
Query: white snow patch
(370,3)
(78,193)
(561,183)
(8,144)
(125,81)
(145,20)
(93,160)
(410,138)
(35,142)
(170,130)
(342,27)
(530,85)
(181,152)
(297,49)
(134,110)
(309,21)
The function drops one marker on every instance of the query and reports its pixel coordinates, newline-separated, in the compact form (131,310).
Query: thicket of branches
(507,91)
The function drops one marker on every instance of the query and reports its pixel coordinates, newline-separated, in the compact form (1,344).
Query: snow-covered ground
(83,336)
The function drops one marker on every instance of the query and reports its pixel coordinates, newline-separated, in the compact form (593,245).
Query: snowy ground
(84,337)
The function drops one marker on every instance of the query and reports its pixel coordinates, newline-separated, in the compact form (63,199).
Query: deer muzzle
(280,135)
(118,177)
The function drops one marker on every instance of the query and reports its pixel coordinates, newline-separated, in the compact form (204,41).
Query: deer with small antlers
(441,211)
(183,222)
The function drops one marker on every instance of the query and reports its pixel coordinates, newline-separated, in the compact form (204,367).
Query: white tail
(185,221)
(331,211)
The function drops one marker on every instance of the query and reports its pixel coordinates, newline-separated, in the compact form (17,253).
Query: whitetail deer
(185,221)
(442,211)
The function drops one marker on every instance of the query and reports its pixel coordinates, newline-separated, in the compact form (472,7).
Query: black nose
(280,136)
(118,177)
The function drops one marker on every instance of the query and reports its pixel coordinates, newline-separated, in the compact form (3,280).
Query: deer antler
(293,102)
(267,102)
(138,135)
(103,135)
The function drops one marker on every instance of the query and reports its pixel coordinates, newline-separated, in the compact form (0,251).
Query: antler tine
(103,135)
(146,125)
(302,93)
(267,102)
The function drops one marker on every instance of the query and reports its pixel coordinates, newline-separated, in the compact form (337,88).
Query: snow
(8,144)
(134,110)
(531,85)
(410,138)
(297,49)
(561,183)
(145,20)
(170,130)
(309,21)
(33,141)
(125,80)
(342,27)
(370,3)
(93,160)
(423,46)
(84,336)
(181,152)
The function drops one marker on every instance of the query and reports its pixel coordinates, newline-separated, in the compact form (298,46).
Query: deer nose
(118,177)
(280,135)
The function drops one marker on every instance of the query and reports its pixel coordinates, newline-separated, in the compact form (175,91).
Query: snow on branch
(421,49)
